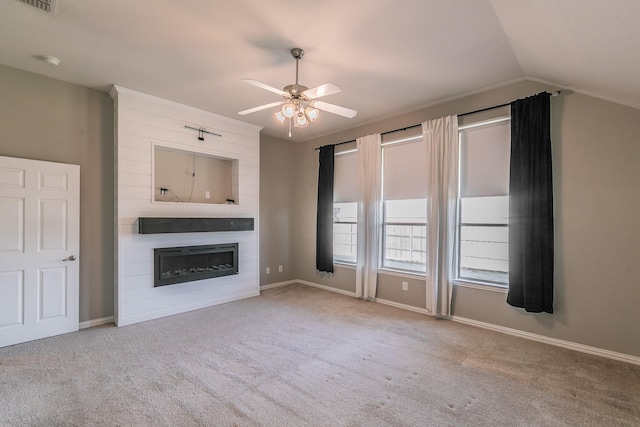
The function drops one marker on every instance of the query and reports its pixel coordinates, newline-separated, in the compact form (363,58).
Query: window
(483,244)
(405,235)
(345,232)
(404,191)
(345,207)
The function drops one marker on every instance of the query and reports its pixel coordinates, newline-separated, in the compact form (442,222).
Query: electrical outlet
(405,286)
(207,194)
(268,270)
(279,269)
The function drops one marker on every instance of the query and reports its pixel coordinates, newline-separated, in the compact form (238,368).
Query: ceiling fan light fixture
(280,117)
(288,110)
(312,113)
(298,104)
(301,119)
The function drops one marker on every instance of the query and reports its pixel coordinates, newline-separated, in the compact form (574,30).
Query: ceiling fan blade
(265,86)
(322,90)
(262,107)
(335,109)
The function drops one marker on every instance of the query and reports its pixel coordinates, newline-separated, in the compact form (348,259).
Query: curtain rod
(483,109)
(401,129)
(339,143)
(554,94)
(383,133)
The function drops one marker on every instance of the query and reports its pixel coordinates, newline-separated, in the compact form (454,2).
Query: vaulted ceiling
(388,56)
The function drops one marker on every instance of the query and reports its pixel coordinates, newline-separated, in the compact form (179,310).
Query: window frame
(351,233)
(458,279)
(383,224)
(346,262)
(385,267)
(382,229)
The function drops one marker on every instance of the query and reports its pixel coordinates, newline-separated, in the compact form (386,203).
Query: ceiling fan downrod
(297,53)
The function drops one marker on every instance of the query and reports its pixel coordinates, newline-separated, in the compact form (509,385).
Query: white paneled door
(39,244)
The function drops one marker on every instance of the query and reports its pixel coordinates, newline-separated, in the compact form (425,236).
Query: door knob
(70,258)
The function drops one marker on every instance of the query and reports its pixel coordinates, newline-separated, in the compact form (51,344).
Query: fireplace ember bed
(189,263)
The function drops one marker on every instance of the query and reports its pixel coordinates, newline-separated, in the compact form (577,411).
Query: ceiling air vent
(44,5)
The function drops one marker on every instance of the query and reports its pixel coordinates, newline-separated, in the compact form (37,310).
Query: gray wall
(46,119)
(277,174)
(596,152)
(389,287)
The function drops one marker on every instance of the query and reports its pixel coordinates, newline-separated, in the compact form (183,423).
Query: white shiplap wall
(143,121)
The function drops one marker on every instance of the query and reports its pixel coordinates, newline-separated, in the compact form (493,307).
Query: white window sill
(387,271)
(344,264)
(485,286)
(402,273)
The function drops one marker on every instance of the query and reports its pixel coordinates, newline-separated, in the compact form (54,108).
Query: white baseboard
(553,341)
(122,321)
(404,306)
(279,284)
(96,322)
(326,288)
(622,357)
(353,294)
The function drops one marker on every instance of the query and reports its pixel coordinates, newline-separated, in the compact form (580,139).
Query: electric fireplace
(188,263)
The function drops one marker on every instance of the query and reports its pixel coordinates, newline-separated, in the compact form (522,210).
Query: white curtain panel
(441,138)
(369,214)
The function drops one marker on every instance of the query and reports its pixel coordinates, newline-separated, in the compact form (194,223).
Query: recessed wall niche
(189,177)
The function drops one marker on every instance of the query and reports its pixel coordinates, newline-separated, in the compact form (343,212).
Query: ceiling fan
(299,104)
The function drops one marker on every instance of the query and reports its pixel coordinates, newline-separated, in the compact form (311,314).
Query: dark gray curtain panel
(531,245)
(324,225)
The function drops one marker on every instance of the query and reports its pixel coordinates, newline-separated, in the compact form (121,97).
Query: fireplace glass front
(188,263)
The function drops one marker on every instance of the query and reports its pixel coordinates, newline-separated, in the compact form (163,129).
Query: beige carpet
(299,356)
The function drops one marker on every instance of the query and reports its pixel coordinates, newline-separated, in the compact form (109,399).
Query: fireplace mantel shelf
(154,225)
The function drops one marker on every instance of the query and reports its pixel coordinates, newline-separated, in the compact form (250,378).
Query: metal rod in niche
(202,131)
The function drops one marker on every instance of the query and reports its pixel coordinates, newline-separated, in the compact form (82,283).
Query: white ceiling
(388,56)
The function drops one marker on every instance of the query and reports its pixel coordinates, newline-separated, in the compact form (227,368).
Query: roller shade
(345,178)
(404,170)
(484,160)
